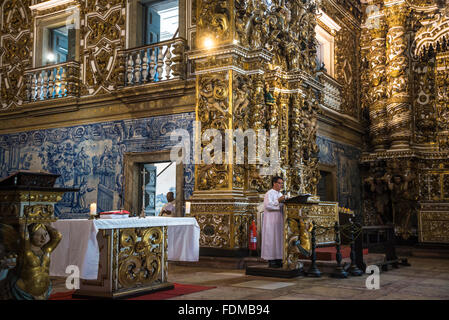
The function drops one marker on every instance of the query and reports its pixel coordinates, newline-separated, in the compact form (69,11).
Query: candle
(93,209)
(187,207)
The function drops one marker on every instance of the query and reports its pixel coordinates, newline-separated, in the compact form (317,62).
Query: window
(160,21)
(57,38)
(325,50)
(59,50)
(153,21)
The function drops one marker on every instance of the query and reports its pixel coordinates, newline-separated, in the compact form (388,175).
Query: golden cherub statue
(32,279)
(304,243)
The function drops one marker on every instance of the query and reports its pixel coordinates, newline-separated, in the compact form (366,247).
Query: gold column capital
(396,14)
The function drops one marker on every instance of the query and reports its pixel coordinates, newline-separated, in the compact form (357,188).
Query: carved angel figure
(379,192)
(32,279)
(402,202)
(304,243)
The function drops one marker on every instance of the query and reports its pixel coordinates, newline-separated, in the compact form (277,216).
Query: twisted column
(398,104)
(378,89)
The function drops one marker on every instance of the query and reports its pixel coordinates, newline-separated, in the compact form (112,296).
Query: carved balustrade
(331,94)
(52,82)
(154,63)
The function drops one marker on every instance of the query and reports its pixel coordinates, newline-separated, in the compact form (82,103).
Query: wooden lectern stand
(306,208)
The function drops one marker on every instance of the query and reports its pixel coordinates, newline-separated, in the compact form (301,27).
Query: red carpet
(329,253)
(179,290)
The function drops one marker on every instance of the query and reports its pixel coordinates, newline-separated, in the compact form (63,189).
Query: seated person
(168,210)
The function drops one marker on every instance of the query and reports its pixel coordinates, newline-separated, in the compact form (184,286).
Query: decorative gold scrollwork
(140,256)
(39,211)
(152,236)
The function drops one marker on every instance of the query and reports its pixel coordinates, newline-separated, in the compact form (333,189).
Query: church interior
(115,168)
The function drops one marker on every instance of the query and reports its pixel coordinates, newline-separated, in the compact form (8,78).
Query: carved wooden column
(398,105)
(378,88)
(442,99)
(224,94)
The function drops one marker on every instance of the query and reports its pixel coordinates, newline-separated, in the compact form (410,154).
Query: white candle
(93,209)
(187,207)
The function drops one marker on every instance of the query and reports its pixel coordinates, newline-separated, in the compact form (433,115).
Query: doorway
(149,176)
(158,179)
(327,185)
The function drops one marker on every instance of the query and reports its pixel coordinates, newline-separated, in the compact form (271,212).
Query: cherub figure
(32,281)
(379,192)
(304,243)
(402,201)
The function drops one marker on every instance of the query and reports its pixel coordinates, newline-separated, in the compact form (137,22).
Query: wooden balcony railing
(331,91)
(52,82)
(156,62)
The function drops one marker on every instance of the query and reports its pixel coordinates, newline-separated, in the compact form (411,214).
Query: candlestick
(93,209)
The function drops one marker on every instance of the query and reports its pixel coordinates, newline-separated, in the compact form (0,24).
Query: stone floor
(424,279)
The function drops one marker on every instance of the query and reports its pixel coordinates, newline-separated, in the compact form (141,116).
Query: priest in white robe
(273,225)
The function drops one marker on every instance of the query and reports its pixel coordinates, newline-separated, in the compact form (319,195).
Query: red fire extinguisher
(253,236)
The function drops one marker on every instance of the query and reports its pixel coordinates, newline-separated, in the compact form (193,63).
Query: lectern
(299,212)
(28,197)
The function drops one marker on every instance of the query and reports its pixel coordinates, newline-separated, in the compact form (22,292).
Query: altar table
(128,256)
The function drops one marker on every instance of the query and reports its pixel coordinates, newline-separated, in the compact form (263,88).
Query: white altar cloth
(79,245)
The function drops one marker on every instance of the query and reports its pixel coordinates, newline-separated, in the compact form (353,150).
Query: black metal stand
(339,271)
(313,270)
(353,269)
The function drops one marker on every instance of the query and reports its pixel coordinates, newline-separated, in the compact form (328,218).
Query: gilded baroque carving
(213,112)
(377,89)
(298,218)
(215,230)
(103,37)
(140,256)
(214,20)
(39,211)
(442,99)
(398,107)
(434,223)
(241,226)
(16,45)
(424,102)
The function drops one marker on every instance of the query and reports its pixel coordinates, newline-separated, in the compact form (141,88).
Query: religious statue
(269,99)
(32,279)
(402,202)
(379,192)
(304,243)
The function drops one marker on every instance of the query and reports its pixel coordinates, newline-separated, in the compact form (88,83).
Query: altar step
(221,262)
(330,253)
(242,263)
(424,251)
